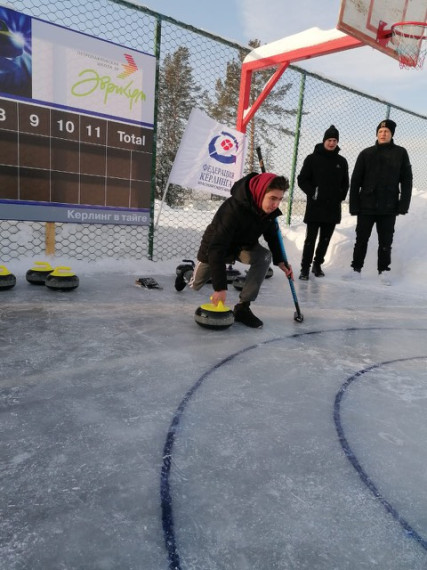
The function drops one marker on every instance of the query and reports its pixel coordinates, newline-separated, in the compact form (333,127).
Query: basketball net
(407,38)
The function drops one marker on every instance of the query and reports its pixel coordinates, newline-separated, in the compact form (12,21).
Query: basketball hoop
(407,38)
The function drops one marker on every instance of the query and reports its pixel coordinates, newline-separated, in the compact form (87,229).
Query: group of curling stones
(59,278)
(220,316)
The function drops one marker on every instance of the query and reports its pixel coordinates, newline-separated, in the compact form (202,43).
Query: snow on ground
(409,262)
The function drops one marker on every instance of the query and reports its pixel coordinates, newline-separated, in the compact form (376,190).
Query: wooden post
(50,238)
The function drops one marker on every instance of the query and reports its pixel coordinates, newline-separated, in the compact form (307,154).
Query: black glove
(402,210)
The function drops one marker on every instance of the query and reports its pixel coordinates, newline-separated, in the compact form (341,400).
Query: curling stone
(37,274)
(212,316)
(187,266)
(232,274)
(238,282)
(269,273)
(62,279)
(7,279)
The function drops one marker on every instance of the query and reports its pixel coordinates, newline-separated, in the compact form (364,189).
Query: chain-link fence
(312,104)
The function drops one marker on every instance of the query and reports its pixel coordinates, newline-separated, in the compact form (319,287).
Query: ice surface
(94,382)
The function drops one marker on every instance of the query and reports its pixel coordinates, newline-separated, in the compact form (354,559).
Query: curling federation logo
(223,148)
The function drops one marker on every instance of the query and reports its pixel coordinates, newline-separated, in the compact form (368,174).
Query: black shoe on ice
(184,272)
(243,314)
(317,270)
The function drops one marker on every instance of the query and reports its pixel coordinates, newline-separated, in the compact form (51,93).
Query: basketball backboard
(367,20)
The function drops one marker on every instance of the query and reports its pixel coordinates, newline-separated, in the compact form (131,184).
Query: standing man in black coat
(324,179)
(233,234)
(381,188)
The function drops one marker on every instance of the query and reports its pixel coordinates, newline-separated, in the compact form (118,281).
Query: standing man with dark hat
(380,189)
(324,179)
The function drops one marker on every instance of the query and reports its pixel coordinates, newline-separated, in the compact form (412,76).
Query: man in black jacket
(233,234)
(380,189)
(324,179)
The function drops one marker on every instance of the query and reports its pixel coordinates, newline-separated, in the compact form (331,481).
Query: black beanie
(388,124)
(331,133)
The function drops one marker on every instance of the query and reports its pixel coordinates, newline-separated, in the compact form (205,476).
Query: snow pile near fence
(409,260)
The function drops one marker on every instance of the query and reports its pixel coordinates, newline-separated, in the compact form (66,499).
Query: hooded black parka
(238,224)
(324,179)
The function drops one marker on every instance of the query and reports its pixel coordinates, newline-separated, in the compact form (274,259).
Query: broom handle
(298,314)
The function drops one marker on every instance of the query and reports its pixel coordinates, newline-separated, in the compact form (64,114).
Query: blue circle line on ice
(165,490)
(353,459)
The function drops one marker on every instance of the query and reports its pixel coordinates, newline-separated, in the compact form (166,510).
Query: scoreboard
(51,155)
(76,125)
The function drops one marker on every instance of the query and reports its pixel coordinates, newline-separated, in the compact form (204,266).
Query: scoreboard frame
(60,162)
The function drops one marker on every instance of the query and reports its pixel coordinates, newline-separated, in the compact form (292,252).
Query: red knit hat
(258,186)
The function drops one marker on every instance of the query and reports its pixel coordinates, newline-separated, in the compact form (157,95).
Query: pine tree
(177,96)
(268,122)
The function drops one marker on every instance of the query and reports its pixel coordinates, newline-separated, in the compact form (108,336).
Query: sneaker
(180,283)
(269,273)
(384,278)
(303,275)
(243,314)
(352,275)
(184,272)
(317,270)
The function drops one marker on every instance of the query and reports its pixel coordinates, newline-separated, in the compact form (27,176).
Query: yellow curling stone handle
(41,266)
(4,270)
(220,308)
(62,271)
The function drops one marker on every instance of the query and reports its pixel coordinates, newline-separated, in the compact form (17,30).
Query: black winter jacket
(382,181)
(237,225)
(324,179)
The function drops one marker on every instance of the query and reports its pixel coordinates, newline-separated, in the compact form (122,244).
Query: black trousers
(313,229)
(385,230)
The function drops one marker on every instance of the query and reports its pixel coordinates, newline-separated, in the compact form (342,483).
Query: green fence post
(296,144)
(157,44)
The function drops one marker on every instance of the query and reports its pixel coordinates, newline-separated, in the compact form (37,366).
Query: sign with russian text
(210,157)
(76,126)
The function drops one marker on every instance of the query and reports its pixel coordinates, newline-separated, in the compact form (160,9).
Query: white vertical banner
(210,157)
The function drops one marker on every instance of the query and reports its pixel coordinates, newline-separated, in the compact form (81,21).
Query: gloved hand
(402,210)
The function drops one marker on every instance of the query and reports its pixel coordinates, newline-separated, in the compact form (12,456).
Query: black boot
(184,272)
(304,274)
(243,314)
(317,270)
